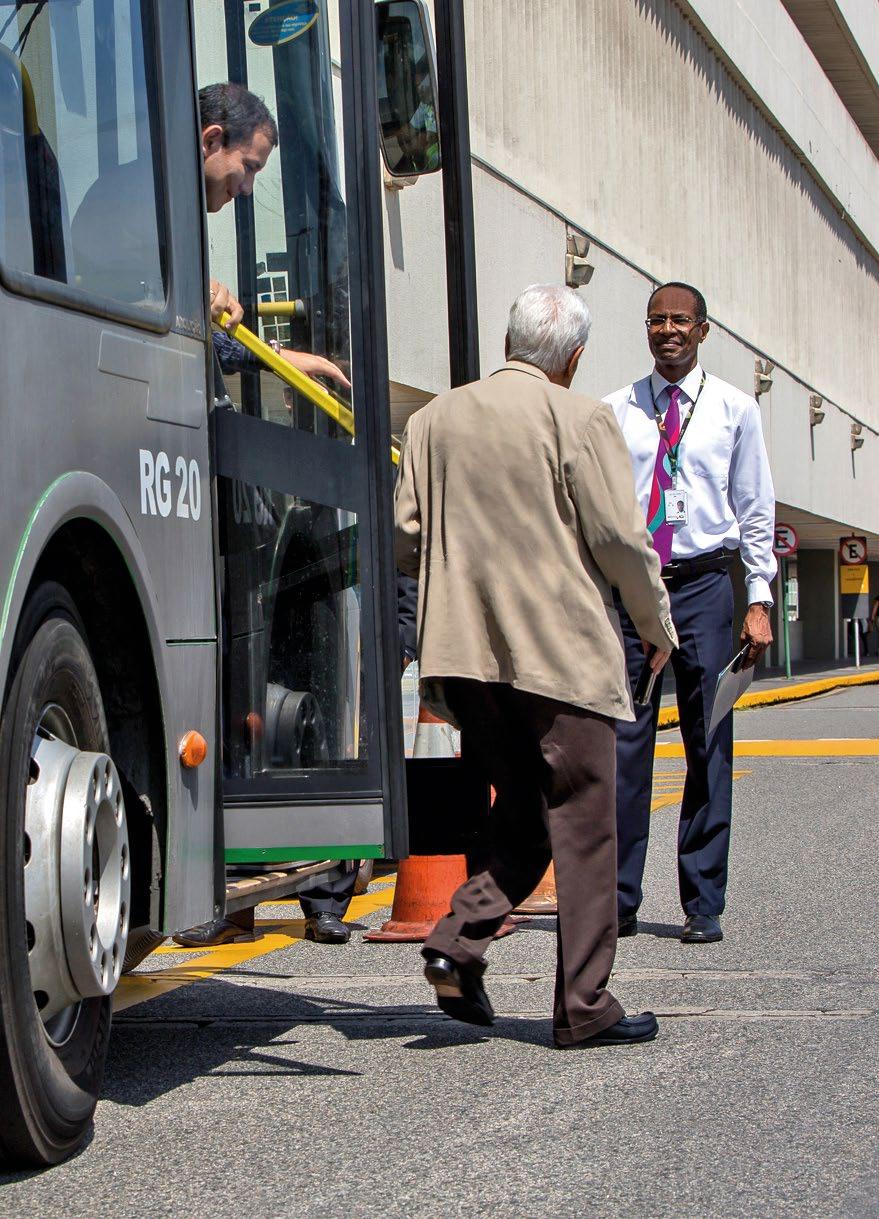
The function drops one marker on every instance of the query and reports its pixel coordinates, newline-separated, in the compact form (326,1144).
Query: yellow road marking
(664,801)
(176,949)
(668,716)
(672,795)
(846,747)
(137,988)
(280,933)
(391,879)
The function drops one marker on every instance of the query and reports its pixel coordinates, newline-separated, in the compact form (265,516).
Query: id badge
(675,506)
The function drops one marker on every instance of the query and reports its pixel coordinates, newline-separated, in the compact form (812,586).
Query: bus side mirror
(406,79)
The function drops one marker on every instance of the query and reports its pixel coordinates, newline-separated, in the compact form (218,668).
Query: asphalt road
(320,1081)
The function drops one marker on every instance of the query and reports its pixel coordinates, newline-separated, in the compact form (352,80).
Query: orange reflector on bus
(193,750)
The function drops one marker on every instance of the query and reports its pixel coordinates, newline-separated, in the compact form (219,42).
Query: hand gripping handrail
(303,384)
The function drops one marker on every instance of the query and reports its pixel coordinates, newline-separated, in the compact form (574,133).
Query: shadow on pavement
(151,1055)
(449,1034)
(662,931)
(155,1050)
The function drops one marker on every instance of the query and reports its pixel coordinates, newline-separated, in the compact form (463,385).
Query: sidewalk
(772,686)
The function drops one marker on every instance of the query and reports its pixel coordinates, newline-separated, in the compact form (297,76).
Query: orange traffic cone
(543,900)
(425,883)
(423,895)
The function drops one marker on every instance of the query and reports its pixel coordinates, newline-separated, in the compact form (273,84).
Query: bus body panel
(189,897)
(159,472)
(263,833)
(185,677)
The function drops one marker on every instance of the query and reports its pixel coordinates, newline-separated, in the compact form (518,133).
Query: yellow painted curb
(669,718)
(842,747)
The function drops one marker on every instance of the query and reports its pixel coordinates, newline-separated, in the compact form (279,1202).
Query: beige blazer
(516,512)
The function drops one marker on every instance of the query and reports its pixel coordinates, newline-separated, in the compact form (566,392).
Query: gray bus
(198,646)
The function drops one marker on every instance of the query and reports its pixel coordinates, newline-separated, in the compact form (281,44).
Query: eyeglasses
(679,321)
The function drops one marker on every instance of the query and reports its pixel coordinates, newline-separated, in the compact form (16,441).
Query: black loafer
(218,931)
(627,925)
(630,1030)
(326,928)
(701,929)
(459,992)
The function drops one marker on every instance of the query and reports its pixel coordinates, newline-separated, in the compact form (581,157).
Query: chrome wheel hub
(77,875)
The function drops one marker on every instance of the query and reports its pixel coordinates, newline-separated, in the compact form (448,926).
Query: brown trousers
(553,768)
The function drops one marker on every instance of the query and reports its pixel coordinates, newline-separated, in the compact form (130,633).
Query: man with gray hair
(516,511)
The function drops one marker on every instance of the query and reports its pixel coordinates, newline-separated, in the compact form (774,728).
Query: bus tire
(49,1087)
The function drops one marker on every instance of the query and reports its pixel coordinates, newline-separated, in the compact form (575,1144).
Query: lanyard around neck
(673,449)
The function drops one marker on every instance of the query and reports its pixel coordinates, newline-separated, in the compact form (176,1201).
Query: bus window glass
(78,202)
(299,283)
(298,665)
(293,662)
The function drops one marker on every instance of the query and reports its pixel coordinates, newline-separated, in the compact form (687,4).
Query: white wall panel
(415,284)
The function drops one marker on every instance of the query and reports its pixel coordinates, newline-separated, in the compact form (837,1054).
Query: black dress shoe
(630,1030)
(701,929)
(627,925)
(326,928)
(459,991)
(218,931)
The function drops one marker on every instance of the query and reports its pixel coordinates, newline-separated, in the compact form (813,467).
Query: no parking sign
(785,542)
(854,577)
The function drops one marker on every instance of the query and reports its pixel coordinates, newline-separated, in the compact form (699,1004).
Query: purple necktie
(659,527)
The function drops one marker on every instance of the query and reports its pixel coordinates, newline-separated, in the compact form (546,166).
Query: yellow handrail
(298,380)
(295,309)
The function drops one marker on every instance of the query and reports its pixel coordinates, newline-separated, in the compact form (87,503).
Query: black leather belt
(688,569)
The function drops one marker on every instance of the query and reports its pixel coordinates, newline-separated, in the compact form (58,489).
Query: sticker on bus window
(283,22)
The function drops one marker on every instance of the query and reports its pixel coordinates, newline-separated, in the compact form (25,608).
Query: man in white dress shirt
(702,477)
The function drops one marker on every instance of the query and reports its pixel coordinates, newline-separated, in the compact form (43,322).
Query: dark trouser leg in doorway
(325,906)
(331,896)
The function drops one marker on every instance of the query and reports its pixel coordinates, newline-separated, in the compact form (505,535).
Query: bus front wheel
(64,888)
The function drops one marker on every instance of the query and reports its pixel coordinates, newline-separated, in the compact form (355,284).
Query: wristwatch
(767,605)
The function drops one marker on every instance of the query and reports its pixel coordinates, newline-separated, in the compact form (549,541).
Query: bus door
(312,755)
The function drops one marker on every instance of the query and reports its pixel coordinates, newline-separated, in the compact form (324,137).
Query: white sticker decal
(157,496)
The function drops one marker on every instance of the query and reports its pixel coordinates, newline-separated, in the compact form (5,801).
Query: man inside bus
(238,135)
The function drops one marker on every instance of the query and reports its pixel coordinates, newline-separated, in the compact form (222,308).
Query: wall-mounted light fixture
(816,415)
(857,438)
(577,270)
(762,377)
